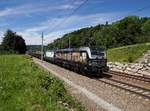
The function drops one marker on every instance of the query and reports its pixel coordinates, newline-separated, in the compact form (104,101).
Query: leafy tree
(1,47)
(20,45)
(13,42)
(8,41)
(146,27)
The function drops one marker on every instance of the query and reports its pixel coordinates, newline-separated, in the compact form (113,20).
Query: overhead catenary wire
(130,13)
(42,47)
(70,15)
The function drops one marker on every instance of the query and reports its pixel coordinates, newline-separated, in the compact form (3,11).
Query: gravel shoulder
(119,99)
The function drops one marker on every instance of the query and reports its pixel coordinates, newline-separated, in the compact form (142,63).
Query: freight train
(82,59)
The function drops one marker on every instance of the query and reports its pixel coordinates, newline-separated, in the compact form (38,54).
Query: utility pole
(61,44)
(69,42)
(42,48)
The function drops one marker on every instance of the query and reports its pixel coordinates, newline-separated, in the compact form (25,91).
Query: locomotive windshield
(98,53)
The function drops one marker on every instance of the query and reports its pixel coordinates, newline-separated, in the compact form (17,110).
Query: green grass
(26,87)
(127,53)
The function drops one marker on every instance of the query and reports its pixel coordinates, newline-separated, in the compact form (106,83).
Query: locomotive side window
(65,56)
(84,56)
(69,56)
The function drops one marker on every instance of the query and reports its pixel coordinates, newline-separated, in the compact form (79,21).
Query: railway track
(119,83)
(135,77)
(143,92)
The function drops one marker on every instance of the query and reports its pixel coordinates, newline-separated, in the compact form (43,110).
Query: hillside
(26,87)
(128,31)
(127,53)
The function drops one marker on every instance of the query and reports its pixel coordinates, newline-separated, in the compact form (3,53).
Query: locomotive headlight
(90,64)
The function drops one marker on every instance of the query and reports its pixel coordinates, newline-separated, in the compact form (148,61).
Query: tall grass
(26,87)
(127,53)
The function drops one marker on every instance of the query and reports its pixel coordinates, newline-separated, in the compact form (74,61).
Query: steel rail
(128,87)
(141,78)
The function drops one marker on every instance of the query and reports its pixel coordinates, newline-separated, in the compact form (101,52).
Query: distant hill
(128,31)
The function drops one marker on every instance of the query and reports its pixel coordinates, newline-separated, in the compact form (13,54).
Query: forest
(127,31)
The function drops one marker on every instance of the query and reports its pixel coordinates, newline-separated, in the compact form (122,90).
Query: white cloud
(1,35)
(30,8)
(36,29)
(54,35)
(32,35)
(35,37)
(77,21)
(23,9)
(3,24)
(66,7)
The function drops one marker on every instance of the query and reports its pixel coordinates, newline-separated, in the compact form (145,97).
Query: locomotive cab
(98,53)
(98,58)
(49,55)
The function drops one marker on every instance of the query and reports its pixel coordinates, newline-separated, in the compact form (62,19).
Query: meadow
(127,53)
(26,87)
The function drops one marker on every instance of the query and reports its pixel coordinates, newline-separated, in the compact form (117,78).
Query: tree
(146,27)
(1,47)
(8,41)
(13,42)
(19,44)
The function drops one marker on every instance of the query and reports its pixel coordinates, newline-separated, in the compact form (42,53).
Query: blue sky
(31,17)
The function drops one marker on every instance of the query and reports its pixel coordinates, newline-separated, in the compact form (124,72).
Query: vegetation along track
(141,91)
